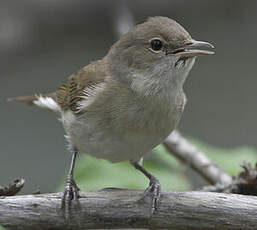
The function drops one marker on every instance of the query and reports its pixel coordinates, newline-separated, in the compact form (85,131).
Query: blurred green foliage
(1,228)
(229,159)
(92,173)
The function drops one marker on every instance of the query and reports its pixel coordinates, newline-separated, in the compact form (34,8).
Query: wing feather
(76,87)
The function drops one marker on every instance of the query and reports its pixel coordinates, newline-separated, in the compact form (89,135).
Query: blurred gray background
(43,41)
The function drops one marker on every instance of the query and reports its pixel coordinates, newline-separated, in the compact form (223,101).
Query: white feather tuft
(90,93)
(48,103)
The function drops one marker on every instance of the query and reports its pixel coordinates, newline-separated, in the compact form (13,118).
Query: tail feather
(47,100)
(27,99)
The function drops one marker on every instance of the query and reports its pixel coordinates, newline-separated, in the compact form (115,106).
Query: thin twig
(244,183)
(186,152)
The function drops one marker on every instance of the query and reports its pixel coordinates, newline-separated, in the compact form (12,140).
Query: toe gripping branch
(71,190)
(154,188)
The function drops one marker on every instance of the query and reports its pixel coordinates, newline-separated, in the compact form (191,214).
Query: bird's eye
(156,45)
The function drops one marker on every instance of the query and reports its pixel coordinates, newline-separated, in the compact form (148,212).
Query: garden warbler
(122,106)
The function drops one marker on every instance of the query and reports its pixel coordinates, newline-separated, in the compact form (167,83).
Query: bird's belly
(119,134)
(103,142)
(116,148)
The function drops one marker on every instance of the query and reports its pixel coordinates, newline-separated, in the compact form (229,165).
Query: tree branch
(186,152)
(115,208)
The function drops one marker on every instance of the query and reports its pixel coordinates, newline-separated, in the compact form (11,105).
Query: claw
(70,195)
(153,190)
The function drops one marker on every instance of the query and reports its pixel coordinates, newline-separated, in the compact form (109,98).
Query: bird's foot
(70,198)
(154,191)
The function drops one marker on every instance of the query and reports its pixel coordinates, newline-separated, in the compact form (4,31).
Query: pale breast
(124,132)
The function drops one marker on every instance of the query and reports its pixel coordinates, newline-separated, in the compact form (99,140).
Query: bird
(120,107)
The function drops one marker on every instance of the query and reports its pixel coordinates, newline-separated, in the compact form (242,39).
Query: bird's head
(157,49)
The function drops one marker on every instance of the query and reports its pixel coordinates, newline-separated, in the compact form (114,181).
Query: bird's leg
(154,188)
(71,189)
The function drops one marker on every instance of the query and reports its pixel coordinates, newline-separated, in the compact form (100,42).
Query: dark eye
(156,45)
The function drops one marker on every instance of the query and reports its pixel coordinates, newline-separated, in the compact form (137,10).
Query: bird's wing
(75,88)
(78,87)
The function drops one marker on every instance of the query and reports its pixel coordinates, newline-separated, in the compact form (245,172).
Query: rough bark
(115,208)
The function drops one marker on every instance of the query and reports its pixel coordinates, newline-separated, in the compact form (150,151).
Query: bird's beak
(191,49)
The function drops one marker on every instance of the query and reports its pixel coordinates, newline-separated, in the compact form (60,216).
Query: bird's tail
(47,100)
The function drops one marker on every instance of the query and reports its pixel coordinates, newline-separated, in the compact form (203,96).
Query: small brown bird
(122,106)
